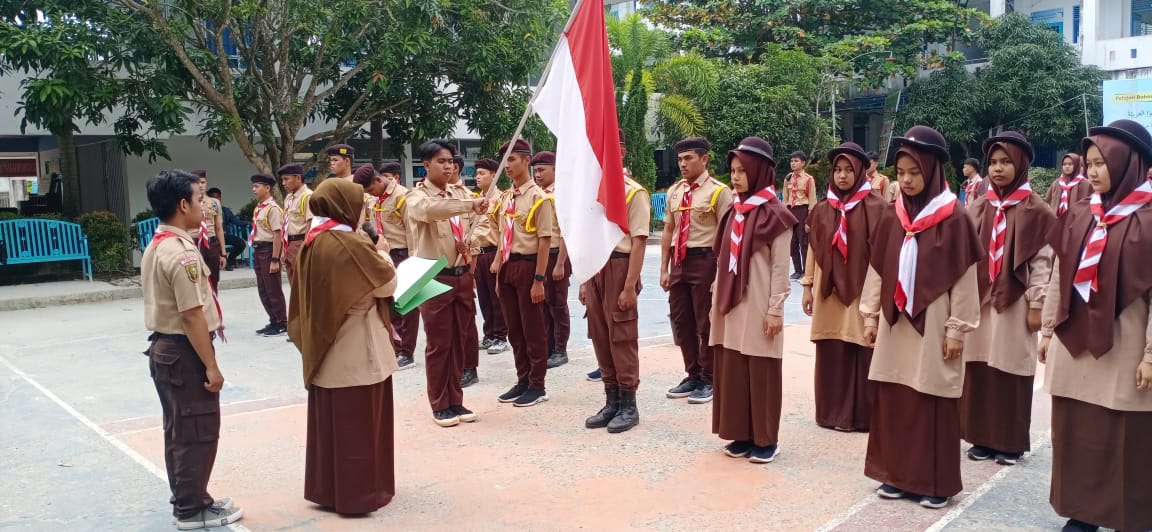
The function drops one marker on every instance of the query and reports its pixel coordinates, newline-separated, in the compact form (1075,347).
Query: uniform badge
(191,266)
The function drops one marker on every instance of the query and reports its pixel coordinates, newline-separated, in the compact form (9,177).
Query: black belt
(619,255)
(694,252)
(455,271)
(553,251)
(293,238)
(214,240)
(266,244)
(399,250)
(488,249)
(521,256)
(175,337)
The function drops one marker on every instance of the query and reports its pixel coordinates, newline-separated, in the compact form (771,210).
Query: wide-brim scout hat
(925,138)
(1128,131)
(1012,137)
(850,149)
(755,146)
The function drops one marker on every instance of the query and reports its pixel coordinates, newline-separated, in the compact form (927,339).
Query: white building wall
(227,169)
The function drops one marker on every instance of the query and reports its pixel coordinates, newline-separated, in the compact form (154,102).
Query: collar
(700,181)
(162,228)
(433,189)
(270,201)
(522,188)
(391,187)
(550,189)
(300,192)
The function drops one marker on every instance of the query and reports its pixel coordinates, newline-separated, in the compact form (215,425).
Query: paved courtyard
(81,439)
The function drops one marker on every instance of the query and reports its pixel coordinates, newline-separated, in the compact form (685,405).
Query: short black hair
(873,156)
(429,149)
(166,189)
(973,162)
(458,160)
(799,155)
(214,192)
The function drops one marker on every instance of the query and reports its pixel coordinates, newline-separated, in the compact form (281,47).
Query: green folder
(415,283)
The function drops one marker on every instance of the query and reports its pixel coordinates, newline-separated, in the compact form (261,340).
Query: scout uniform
(172,276)
(210,246)
(297,219)
(485,240)
(268,218)
(799,196)
(556,314)
(1068,188)
(615,334)
(388,216)
(437,220)
(460,191)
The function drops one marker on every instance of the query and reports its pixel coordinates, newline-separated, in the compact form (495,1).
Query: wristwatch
(538,277)
(275,259)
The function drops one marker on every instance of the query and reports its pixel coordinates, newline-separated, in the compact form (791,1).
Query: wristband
(275,259)
(538,277)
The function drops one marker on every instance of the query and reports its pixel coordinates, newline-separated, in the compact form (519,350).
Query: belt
(553,251)
(521,256)
(293,238)
(266,244)
(214,240)
(619,255)
(398,251)
(694,252)
(455,271)
(488,249)
(175,337)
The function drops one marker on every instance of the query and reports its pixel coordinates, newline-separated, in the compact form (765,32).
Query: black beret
(390,168)
(521,146)
(545,158)
(291,169)
(487,164)
(342,149)
(200,173)
(264,179)
(696,144)
(364,175)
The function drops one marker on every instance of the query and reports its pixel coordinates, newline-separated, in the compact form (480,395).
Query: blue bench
(659,204)
(145,229)
(30,241)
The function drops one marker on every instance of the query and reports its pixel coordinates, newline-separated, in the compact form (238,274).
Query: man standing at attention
(799,196)
(340,160)
(211,231)
(556,316)
(267,239)
(688,263)
(297,215)
(485,238)
(974,186)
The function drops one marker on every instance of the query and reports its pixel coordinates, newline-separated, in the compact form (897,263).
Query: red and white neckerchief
(742,208)
(840,240)
(970,189)
(937,210)
(161,236)
(255,217)
(287,215)
(1065,186)
(321,224)
(379,212)
(685,226)
(1000,224)
(202,237)
(1086,281)
(457,227)
(509,222)
(792,202)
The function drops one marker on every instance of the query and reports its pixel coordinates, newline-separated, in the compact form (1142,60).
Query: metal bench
(30,241)
(145,229)
(659,203)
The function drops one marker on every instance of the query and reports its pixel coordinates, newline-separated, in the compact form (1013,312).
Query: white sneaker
(498,346)
(210,517)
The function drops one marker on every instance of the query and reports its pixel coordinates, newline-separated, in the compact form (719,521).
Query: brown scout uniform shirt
(212,214)
(268,218)
(174,279)
(639,214)
(706,213)
(388,215)
(526,230)
(429,229)
(557,237)
(805,191)
(298,212)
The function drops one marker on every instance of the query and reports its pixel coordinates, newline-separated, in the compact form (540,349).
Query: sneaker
(469,378)
(889,492)
(1008,459)
(764,455)
(498,346)
(934,502)
(702,394)
(465,415)
(223,503)
(514,393)
(405,362)
(533,396)
(684,389)
(1079,526)
(557,359)
(264,331)
(595,376)
(796,276)
(289,340)
(980,453)
(738,449)
(485,344)
(275,330)
(210,517)
(446,417)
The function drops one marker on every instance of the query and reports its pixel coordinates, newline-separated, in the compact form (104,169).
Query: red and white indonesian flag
(577,101)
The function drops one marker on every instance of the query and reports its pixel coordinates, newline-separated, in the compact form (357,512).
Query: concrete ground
(82,443)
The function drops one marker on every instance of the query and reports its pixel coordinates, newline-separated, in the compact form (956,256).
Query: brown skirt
(747,397)
(843,391)
(914,444)
(996,408)
(1101,461)
(350,465)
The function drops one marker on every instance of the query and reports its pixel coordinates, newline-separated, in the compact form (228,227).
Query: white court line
(121,446)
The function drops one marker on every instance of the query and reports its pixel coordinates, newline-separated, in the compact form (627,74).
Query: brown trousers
(690,300)
(914,442)
(556,317)
(843,391)
(996,408)
(291,255)
(799,238)
(449,322)
(526,331)
(614,333)
(268,284)
(211,254)
(407,326)
(191,421)
(748,397)
(494,327)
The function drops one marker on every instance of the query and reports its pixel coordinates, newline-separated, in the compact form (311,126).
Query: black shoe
(980,453)
(605,415)
(934,502)
(889,492)
(684,389)
(1079,526)
(627,417)
(1008,459)
(796,276)
(446,418)
(764,455)
(264,331)
(276,330)
(702,394)
(465,415)
(229,268)
(557,359)
(405,362)
(738,449)
(469,378)
(531,397)
(594,376)
(514,393)
(485,344)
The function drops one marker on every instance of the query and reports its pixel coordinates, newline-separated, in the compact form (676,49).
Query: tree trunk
(376,136)
(71,199)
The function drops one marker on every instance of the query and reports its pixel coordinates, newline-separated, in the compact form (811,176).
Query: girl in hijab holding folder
(338,320)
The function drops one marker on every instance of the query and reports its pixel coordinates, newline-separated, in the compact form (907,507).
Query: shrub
(4,215)
(108,242)
(1042,178)
(52,216)
(246,211)
(143,215)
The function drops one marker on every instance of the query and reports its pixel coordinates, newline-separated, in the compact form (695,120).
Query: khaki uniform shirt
(639,214)
(879,184)
(557,237)
(893,191)
(710,202)
(297,211)
(805,193)
(268,218)
(527,225)
(388,215)
(430,210)
(486,233)
(212,214)
(742,328)
(174,279)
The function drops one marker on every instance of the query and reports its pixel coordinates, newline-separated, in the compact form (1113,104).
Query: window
(1141,18)
(1075,24)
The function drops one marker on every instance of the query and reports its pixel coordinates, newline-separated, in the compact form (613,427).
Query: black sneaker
(1079,526)
(446,418)
(980,453)
(465,415)
(1008,459)
(514,393)
(684,389)
(531,397)
(595,376)
(469,378)
(701,395)
(764,455)
(279,329)
(211,516)
(738,449)
(405,362)
(889,492)
(264,331)
(557,359)
(485,344)
(934,502)
(796,276)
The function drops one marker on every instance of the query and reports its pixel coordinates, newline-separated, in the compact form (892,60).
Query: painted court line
(119,445)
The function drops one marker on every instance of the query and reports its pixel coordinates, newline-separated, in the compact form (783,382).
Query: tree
(80,71)
(950,100)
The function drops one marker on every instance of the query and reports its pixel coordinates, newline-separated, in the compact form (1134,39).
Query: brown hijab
(1082,189)
(1123,273)
(845,278)
(761,225)
(1028,224)
(334,272)
(947,250)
